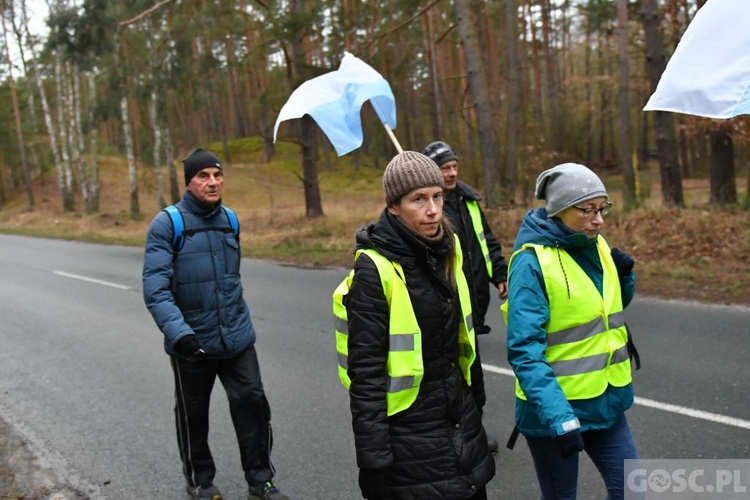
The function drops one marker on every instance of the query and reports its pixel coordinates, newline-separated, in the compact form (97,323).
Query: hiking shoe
(265,491)
(204,492)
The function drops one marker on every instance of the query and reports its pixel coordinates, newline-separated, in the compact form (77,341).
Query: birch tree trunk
(93,145)
(48,121)
(152,114)
(36,162)
(121,51)
(174,187)
(488,143)
(79,147)
(17,114)
(626,128)
(135,210)
(68,202)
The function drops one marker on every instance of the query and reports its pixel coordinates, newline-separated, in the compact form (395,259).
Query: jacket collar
(194,206)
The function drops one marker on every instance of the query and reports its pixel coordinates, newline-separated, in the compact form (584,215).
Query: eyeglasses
(590,213)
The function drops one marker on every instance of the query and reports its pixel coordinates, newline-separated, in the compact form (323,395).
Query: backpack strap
(180,233)
(233,221)
(178,227)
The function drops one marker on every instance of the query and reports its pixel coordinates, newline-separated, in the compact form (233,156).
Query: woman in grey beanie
(566,336)
(406,347)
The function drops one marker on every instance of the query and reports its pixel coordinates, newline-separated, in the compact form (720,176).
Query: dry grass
(700,252)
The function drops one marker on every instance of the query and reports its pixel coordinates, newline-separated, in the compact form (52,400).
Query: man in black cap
(483,258)
(192,287)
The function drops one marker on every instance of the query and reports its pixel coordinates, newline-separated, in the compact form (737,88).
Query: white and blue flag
(709,73)
(334,101)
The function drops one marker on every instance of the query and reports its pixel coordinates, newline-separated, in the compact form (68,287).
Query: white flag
(709,73)
(334,101)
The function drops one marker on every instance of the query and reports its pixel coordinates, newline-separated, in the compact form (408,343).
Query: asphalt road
(85,381)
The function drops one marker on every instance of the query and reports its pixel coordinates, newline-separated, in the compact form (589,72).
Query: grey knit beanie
(198,160)
(566,185)
(440,152)
(408,171)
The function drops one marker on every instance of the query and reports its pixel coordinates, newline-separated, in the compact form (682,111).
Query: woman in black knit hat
(406,348)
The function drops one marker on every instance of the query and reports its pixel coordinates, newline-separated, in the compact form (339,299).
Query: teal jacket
(528,312)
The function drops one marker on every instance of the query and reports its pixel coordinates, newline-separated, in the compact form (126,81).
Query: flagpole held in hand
(393,138)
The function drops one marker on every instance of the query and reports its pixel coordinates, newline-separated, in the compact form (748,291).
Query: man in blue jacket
(193,290)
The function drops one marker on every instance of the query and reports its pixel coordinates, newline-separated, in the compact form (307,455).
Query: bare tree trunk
(308,128)
(122,56)
(152,105)
(684,157)
(626,127)
(93,145)
(537,69)
(135,210)
(17,113)
(308,136)
(671,181)
(174,187)
(49,122)
(36,161)
(79,147)
(589,102)
(67,193)
(515,100)
(431,63)
(723,184)
(488,143)
(553,85)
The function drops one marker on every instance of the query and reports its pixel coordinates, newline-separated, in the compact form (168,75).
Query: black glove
(623,262)
(569,443)
(188,346)
(372,484)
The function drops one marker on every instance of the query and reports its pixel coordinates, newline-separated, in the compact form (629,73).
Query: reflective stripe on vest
(586,335)
(404,368)
(476,224)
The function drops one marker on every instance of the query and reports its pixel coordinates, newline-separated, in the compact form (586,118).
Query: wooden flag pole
(393,138)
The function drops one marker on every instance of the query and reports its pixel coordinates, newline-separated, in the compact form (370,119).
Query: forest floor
(698,253)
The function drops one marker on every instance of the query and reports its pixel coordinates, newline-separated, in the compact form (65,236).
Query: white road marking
(91,280)
(650,403)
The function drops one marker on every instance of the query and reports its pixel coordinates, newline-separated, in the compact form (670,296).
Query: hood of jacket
(536,228)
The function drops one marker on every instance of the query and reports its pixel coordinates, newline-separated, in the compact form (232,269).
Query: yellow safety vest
(586,334)
(476,223)
(405,367)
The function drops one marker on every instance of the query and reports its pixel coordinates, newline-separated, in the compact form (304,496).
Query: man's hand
(188,346)
(502,288)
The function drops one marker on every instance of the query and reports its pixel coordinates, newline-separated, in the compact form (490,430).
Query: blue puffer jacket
(200,290)
(528,313)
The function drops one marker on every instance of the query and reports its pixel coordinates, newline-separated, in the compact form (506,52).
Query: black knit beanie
(440,152)
(197,161)
(408,171)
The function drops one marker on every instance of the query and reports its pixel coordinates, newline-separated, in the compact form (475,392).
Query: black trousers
(251,415)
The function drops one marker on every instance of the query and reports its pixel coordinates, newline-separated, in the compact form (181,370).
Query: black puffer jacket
(436,448)
(474,267)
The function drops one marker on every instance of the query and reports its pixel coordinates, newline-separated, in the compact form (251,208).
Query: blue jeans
(608,449)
